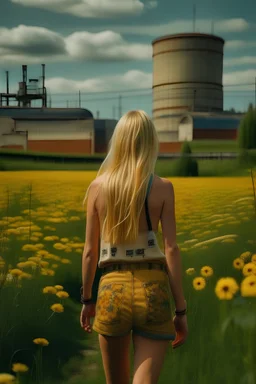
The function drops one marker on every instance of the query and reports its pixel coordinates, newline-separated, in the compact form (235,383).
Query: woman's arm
(173,259)
(91,248)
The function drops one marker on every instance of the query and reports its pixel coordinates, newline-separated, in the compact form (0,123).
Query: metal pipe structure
(7,88)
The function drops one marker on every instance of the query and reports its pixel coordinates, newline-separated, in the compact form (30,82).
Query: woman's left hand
(87,312)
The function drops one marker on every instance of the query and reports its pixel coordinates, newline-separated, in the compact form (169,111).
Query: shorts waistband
(133,266)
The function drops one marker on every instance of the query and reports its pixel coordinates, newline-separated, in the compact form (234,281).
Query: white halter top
(144,248)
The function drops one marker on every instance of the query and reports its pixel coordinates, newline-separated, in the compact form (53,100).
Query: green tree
(247,130)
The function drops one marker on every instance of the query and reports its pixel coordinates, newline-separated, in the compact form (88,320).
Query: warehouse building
(55,130)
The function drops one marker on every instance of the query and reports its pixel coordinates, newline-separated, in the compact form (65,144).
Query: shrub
(2,166)
(186,165)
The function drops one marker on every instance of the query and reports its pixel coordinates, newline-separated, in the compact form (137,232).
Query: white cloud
(240,77)
(243,60)
(130,80)
(34,44)
(105,45)
(182,26)
(30,40)
(231,25)
(136,79)
(90,8)
(240,44)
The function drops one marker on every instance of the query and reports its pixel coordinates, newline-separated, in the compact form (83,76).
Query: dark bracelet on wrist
(85,301)
(181,313)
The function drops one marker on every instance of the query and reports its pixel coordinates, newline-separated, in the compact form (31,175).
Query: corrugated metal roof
(45,113)
(207,121)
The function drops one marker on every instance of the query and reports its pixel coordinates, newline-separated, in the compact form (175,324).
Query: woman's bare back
(155,203)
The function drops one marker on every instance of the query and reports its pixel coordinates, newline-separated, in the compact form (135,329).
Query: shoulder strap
(149,184)
(146,203)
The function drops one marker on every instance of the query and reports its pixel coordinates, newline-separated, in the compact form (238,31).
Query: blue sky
(103,47)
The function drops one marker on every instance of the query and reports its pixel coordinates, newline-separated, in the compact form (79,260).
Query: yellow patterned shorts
(138,301)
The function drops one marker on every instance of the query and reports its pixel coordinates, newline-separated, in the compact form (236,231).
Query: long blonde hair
(131,158)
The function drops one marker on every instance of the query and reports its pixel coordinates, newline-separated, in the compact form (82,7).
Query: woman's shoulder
(163,182)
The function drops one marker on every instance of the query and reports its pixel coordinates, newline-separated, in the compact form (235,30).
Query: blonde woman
(125,204)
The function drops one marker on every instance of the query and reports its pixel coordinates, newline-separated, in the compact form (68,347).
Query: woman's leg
(115,352)
(149,357)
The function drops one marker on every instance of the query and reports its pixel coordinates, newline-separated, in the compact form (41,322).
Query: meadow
(42,229)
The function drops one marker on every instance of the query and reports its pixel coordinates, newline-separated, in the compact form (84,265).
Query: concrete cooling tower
(187,78)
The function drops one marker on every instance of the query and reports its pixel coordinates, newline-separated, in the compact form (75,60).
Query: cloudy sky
(102,48)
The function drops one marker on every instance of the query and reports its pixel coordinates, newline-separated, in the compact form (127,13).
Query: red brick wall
(170,147)
(227,134)
(60,146)
(18,147)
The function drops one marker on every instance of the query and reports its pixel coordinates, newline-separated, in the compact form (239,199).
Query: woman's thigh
(149,357)
(115,352)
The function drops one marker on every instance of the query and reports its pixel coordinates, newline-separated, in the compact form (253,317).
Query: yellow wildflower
(59,287)
(44,263)
(41,341)
(42,252)
(249,269)
(29,247)
(253,259)
(48,238)
(66,261)
(21,265)
(35,259)
(25,275)
(19,367)
(38,234)
(34,238)
(226,287)
(49,228)
(248,286)
(59,246)
(62,294)
(49,289)
(15,272)
(47,272)
(190,271)
(68,250)
(64,240)
(6,378)
(199,283)
(206,271)
(245,255)
(238,263)
(74,218)
(39,246)
(57,308)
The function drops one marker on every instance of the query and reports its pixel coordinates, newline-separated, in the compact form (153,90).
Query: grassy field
(164,167)
(42,226)
(214,146)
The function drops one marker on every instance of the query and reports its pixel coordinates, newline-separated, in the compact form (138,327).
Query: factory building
(54,130)
(188,90)
(43,129)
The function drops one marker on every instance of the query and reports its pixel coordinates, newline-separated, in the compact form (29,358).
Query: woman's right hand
(181,328)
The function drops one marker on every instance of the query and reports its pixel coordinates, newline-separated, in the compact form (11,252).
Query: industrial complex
(187,95)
